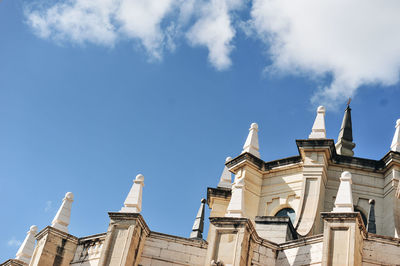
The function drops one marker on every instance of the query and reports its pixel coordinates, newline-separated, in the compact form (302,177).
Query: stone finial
(318,130)
(396,138)
(198,226)
(345,145)
(25,251)
(133,202)
(371,225)
(226,176)
(62,218)
(251,144)
(236,204)
(344,197)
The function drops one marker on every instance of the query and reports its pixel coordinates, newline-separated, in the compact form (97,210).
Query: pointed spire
(197,229)
(396,138)
(318,130)
(251,144)
(226,177)
(345,144)
(344,197)
(133,202)
(62,218)
(236,204)
(25,251)
(371,226)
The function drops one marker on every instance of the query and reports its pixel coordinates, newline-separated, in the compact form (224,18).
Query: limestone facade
(283,212)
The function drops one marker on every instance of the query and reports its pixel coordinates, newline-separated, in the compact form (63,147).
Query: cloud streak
(349,43)
(13,242)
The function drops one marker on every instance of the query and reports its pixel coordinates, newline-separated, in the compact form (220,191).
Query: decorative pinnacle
(251,144)
(198,225)
(62,218)
(344,197)
(345,145)
(226,176)
(371,225)
(396,138)
(27,247)
(133,202)
(318,130)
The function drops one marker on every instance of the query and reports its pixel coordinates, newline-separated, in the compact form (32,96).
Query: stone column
(343,238)
(54,247)
(125,239)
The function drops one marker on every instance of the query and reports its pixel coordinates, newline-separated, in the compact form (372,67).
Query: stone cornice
(13,262)
(260,164)
(316,144)
(100,237)
(128,216)
(223,193)
(52,230)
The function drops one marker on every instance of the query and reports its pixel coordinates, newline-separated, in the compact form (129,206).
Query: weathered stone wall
(378,250)
(161,249)
(307,251)
(263,255)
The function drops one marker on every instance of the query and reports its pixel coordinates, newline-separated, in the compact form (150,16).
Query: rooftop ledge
(317,144)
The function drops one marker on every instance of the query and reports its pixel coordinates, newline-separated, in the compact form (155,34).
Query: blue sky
(84,112)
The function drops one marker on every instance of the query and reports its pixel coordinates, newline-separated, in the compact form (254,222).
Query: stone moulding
(343,216)
(334,158)
(49,229)
(13,262)
(120,216)
(224,193)
(96,237)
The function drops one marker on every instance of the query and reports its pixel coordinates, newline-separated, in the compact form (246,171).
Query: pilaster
(54,247)
(125,239)
(315,155)
(343,239)
(229,241)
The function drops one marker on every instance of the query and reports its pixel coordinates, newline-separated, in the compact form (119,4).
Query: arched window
(364,218)
(287,212)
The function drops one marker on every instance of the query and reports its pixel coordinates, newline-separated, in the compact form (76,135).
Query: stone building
(323,206)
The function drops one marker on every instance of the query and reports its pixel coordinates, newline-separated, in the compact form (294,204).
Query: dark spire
(197,229)
(345,144)
(371,226)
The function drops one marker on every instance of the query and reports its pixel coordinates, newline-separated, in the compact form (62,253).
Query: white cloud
(215,31)
(79,21)
(49,205)
(155,24)
(103,22)
(141,19)
(13,242)
(357,42)
(354,43)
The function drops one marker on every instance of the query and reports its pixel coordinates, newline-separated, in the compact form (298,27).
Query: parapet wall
(162,249)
